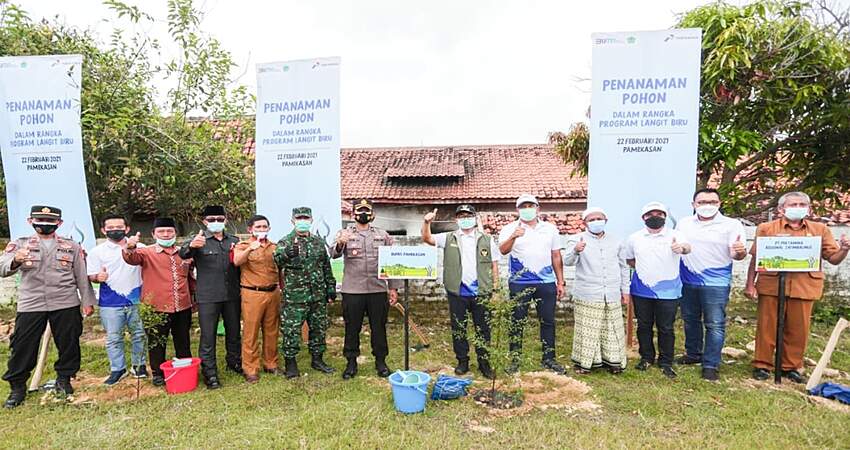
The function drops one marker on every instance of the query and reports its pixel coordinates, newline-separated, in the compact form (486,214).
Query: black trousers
(354,306)
(544,296)
(178,325)
(661,313)
(460,309)
(208,315)
(66,325)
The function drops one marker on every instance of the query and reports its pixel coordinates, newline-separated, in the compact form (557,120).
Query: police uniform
(51,276)
(308,284)
(363,292)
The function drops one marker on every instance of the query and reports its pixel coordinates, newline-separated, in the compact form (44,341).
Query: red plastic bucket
(181,379)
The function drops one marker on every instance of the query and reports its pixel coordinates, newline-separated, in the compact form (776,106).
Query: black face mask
(116,235)
(654,222)
(363,218)
(45,229)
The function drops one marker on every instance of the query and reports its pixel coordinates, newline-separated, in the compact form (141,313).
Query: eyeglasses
(215,219)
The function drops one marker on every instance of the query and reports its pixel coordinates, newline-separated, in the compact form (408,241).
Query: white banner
(644,124)
(297,143)
(41,142)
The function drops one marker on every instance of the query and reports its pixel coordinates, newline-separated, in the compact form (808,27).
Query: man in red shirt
(165,287)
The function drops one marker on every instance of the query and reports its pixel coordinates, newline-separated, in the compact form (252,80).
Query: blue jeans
(114,320)
(705,306)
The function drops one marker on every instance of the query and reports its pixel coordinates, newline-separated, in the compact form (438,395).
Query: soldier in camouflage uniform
(308,287)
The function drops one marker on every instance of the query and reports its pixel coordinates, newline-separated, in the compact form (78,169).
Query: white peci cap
(526,198)
(591,210)
(653,206)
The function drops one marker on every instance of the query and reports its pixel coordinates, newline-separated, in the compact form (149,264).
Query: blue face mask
(528,214)
(596,226)
(796,213)
(166,242)
(466,223)
(215,227)
(303,226)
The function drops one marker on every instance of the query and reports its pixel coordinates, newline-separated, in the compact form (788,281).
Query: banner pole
(406,326)
(780,330)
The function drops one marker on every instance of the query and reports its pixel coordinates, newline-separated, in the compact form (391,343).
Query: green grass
(640,410)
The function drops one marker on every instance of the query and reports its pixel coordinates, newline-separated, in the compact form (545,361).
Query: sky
(436,73)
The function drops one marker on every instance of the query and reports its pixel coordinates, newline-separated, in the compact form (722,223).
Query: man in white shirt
(655,253)
(536,274)
(470,274)
(601,284)
(707,278)
(118,299)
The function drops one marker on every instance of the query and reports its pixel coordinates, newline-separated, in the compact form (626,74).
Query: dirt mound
(547,390)
(89,389)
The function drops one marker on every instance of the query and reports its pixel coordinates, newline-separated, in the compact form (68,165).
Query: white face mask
(799,213)
(707,211)
(260,234)
(215,227)
(596,226)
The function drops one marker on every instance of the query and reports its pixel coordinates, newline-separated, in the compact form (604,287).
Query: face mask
(45,228)
(260,234)
(116,235)
(466,223)
(707,211)
(796,213)
(165,242)
(528,214)
(596,226)
(363,218)
(303,226)
(215,227)
(654,222)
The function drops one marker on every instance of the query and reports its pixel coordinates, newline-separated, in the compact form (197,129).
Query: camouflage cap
(302,211)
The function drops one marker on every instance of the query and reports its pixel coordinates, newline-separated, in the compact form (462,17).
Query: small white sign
(407,263)
(788,254)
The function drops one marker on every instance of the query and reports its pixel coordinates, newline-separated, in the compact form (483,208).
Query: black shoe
(486,370)
(236,369)
(669,372)
(158,380)
(615,370)
(212,382)
(115,377)
(553,365)
(271,371)
(63,385)
(710,374)
(17,395)
(350,369)
(139,371)
(761,374)
(462,367)
(794,376)
(686,360)
(319,364)
(643,365)
(381,368)
(292,368)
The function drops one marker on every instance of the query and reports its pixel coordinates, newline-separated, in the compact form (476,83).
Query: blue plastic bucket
(410,390)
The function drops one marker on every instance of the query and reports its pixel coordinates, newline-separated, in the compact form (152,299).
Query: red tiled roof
(481,173)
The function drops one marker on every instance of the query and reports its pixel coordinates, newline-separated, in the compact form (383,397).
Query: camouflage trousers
(292,316)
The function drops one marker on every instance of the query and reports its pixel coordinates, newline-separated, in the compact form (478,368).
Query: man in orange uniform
(801,289)
(260,298)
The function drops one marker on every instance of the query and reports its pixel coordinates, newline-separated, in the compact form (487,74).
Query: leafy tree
(774,103)
(141,157)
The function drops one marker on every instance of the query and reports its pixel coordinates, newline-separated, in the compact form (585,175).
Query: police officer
(362,291)
(53,271)
(308,287)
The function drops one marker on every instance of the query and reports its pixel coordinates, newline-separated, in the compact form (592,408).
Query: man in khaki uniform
(362,291)
(53,271)
(259,281)
(801,289)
